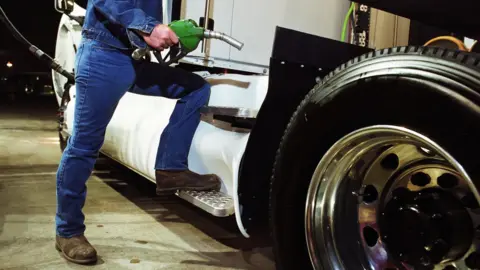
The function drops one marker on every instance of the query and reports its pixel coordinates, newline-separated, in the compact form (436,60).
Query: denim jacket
(115,22)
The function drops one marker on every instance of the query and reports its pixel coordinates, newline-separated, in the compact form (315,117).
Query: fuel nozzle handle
(201,33)
(208,34)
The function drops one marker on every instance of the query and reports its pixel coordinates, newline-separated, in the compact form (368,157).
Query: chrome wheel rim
(385,197)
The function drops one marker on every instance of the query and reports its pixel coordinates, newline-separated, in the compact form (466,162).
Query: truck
(348,157)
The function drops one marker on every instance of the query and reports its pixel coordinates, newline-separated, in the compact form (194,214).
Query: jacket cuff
(135,39)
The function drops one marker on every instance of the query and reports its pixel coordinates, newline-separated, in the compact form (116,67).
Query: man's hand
(162,37)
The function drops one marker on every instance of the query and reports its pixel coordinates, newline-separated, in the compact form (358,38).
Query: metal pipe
(207,17)
(221,36)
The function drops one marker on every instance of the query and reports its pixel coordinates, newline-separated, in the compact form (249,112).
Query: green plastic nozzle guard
(189,34)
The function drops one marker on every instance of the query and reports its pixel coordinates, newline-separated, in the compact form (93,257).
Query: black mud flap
(298,62)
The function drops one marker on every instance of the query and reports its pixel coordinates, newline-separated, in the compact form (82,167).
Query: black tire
(428,90)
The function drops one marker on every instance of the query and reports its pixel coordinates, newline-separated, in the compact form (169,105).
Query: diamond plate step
(213,202)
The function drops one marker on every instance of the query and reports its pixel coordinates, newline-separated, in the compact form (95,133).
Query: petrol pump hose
(190,35)
(33,49)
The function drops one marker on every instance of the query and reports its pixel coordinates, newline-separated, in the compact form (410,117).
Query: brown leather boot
(170,181)
(76,249)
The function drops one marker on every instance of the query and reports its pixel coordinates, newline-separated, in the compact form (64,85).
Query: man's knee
(85,146)
(205,91)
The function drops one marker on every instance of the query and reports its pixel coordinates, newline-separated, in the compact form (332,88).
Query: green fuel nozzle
(190,35)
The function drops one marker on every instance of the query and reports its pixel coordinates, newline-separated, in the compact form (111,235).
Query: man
(104,71)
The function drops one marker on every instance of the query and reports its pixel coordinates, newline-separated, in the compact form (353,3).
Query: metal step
(213,202)
(229,111)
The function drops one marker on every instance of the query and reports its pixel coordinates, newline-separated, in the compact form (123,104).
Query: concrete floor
(130,226)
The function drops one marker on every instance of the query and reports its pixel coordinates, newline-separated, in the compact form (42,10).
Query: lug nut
(438,250)
(401,193)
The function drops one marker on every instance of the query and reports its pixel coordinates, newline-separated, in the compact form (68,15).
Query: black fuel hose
(33,49)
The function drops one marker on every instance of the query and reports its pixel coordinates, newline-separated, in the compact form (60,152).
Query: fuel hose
(447,42)
(33,49)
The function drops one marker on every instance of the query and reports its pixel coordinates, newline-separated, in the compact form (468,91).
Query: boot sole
(173,190)
(86,261)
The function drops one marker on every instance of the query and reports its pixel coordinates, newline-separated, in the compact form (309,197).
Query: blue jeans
(103,75)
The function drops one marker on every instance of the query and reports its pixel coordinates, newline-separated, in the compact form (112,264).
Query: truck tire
(380,165)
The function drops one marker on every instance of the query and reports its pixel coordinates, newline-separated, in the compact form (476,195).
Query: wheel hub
(385,197)
(426,227)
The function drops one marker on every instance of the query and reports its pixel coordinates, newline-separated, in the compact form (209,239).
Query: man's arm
(133,19)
